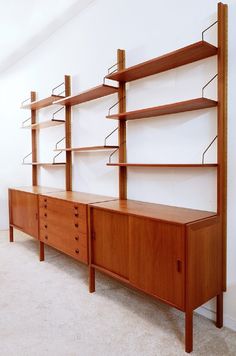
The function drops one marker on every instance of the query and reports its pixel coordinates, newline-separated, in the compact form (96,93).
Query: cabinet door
(24,211)
(157,259)
(110,246)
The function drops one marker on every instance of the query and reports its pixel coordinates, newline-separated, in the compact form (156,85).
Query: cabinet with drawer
(64,222)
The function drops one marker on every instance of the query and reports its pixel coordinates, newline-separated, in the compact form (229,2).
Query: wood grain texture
(42,103)
(68,171)
(122,128)
(164,165)
(87,149)
(222,130)
(182,56)
(88,95)
(24,212)
(44,124)
(157,260)
(36,189)
(183,106)
(166,213)
(110,244)
(79,197)
(204,261)
(34,142)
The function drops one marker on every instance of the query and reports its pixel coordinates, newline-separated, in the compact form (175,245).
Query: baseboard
(208,313)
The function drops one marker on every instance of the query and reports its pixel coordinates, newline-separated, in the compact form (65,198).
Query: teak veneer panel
(87,149)
(44,124)
(166,213)
(79,197)
(166,165)
(43,103)
(182,56)
(175,108)
(88,95)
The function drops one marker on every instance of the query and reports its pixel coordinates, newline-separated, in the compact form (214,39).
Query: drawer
(76,248)
(61,224)
(62,207)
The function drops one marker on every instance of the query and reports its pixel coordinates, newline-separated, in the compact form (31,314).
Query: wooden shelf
(60,164)
(182,106)
(91,94)
(43,103)
(44,124)
(87,149)
(158,165)
(182,56)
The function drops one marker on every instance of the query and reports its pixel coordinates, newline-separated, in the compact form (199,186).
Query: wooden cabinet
(63,225)
(23,208)
(64,222)
(172,254)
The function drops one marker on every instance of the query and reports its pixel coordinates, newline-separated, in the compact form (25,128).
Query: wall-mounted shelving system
(125,238)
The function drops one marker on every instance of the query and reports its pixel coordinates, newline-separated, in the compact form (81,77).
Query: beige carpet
(45,309)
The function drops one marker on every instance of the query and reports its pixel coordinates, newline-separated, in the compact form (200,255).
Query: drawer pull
(76,207)
(45,226)
(76,225)
(77,238)
(179,266)
(77,250)
(76,215)
(46,237)
(45,200)
(45,215)
(45,206)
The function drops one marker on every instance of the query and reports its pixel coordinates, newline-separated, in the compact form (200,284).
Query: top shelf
(43,103)
(182,56)
(88,95)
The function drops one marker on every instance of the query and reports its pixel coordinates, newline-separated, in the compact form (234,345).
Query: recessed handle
(179,266)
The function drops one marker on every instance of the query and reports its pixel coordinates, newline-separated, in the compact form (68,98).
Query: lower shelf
(60,164)
(174,165)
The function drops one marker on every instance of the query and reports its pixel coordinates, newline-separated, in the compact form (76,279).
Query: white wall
(84,48)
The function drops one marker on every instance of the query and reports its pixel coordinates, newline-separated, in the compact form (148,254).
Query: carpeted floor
(46,310)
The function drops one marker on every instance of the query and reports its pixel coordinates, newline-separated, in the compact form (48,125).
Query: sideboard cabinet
(170,253)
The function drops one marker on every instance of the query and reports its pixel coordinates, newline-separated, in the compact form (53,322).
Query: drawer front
(157,259)
(71,247)
(63,225)
(24,211)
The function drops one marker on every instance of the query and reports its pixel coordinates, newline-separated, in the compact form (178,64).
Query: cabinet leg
(41,251)
(91,279)
(219,310)
(189,331)
(11,234)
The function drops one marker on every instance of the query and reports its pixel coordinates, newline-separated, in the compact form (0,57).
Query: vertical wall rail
(222,131)
(34,142)
(122,128)
(68,135)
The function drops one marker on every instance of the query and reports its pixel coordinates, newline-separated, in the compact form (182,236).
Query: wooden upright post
(222,131)
(68,135)
(34,142)
(122,128)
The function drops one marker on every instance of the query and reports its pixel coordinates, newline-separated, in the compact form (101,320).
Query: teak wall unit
(173,254)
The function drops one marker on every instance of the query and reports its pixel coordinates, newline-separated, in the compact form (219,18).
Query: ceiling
(25,24)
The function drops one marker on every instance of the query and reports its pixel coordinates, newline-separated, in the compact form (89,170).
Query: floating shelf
(43,103)
(45,164)
(44,124)
(91,94)
(182,56)
(182,106)
(175,165)
(85,149)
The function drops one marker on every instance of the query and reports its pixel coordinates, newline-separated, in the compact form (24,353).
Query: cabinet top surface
(36,189)
(79,197)
(155,211)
